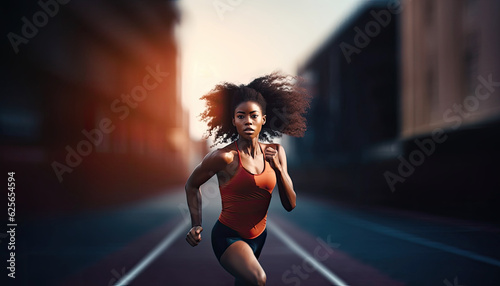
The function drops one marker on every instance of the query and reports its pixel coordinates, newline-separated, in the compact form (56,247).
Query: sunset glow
(247,40)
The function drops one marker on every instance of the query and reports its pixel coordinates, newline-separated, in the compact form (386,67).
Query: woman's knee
(259,278)
(239,260)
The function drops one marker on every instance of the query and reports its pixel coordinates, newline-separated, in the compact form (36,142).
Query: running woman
(247,169)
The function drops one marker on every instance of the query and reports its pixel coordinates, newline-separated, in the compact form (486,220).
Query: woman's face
(248,119)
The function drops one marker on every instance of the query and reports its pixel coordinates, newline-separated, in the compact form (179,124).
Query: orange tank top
(245,199)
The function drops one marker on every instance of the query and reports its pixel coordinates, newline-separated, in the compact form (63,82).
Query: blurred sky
(244,39)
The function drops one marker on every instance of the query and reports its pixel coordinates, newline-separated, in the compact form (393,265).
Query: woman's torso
(245,195)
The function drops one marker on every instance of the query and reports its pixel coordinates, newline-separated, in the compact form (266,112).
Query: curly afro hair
(280,96)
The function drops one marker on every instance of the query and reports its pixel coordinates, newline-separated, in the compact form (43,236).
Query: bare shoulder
(221,157)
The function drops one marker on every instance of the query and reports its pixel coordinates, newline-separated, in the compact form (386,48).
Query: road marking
(329,275)
(422,241)
(152,255)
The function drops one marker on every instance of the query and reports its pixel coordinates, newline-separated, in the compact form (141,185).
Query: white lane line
(152,255)
(422,241)
(329,275)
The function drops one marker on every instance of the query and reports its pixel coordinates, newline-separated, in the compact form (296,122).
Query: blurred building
(353,79)
(91,112)
(406,107)
(447,47)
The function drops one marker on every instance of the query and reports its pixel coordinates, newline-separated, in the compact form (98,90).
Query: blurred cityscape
(91,112)
(406,109)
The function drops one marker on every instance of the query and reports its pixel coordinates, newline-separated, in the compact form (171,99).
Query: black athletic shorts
(223,236)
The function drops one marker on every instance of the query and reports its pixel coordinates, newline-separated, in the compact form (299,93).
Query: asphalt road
(319,243)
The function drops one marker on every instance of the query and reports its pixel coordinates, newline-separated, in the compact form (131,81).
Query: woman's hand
(194,235)
(271,155)
(277,160)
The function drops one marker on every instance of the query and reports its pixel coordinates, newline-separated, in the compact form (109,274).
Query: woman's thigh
(240,261)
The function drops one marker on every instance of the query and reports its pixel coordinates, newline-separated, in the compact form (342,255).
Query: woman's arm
(277,160)
(211,164)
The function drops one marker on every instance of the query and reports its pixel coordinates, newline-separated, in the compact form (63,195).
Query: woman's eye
(255,116)
(240,116)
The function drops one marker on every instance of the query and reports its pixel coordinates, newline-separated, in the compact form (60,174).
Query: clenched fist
(272,157)
(194,235)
